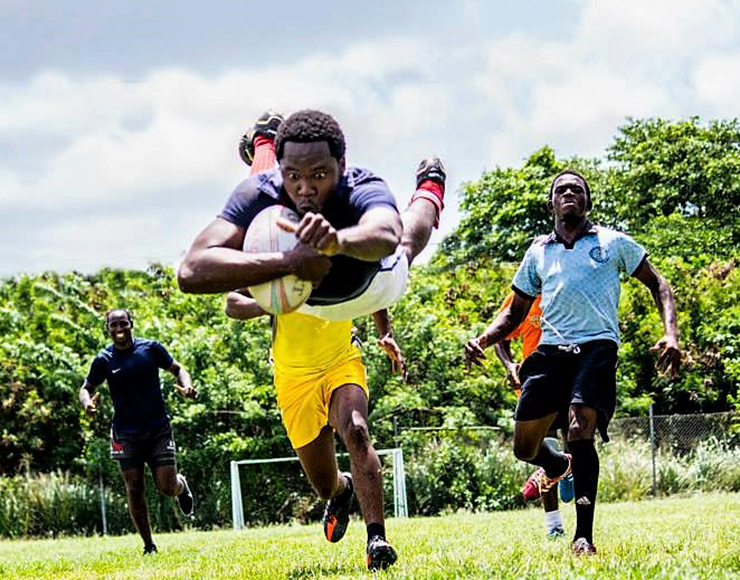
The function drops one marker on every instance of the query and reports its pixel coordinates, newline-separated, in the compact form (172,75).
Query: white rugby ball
(285,294)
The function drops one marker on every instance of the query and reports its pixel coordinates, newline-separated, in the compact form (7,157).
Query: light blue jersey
(580,286)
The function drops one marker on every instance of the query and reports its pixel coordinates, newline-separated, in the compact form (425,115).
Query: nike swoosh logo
(114,371)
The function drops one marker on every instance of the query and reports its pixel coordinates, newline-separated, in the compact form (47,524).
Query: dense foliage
(675,186)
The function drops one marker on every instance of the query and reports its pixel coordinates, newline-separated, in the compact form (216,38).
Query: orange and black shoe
(267,126)
(336,514)
(380,554)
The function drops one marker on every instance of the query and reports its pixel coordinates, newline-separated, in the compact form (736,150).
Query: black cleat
(267,126)
(380,554)
(185,499)
(150,549)
(431,169)
(336,514)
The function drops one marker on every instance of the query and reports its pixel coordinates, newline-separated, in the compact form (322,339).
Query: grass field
(688,537)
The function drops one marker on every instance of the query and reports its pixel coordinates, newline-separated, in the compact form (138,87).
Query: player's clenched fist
(316,231)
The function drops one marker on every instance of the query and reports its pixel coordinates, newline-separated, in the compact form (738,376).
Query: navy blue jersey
(133,380)
(358,191)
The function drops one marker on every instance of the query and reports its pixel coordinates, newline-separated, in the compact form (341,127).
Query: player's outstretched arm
(215,262)
(184,382)
(87,399)
(669,357)
(241,306)
(386,341)
(502,326)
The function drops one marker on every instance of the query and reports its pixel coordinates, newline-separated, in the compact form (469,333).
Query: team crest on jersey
(534,320)
(599,254)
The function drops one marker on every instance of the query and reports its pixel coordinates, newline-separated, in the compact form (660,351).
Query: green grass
(686,537)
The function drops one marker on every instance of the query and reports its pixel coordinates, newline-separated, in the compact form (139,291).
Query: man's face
(569,198)
(310,174)
(119,328)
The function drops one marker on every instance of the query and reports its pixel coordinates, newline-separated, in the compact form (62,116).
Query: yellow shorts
(304,401)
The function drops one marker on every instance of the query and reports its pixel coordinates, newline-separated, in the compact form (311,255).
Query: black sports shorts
(155,447)
(553,379)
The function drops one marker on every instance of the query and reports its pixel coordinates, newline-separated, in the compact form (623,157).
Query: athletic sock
(434,193)
(264,155)
(375,530)
(553,519)
(553,462)
(585,466)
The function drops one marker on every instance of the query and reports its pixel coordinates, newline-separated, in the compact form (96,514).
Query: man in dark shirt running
(141,431)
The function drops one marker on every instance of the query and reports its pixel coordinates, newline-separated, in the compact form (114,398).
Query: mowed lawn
(686,537)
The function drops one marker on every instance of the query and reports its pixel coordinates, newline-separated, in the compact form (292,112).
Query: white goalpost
(400,507)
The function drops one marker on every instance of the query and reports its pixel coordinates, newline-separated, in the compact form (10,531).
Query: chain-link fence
(677,435)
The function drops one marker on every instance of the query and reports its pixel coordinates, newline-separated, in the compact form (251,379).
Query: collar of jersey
(554,237)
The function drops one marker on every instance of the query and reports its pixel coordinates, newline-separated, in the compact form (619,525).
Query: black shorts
(553,379)
(155,447)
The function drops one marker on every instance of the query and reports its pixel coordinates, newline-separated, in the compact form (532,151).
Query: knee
(357,435)
(523,451)
(168,487)
(580,430)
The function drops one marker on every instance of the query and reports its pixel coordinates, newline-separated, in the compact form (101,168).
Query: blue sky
(119,120)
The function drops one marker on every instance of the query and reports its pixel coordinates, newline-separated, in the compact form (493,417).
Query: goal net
(400,507)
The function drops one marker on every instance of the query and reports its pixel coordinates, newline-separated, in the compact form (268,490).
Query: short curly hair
(310,126)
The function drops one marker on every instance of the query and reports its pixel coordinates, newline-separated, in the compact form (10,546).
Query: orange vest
(529,330)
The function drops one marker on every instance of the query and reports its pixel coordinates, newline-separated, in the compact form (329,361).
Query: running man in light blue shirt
(572,374)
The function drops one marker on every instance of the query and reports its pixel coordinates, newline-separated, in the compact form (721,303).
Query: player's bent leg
(529,435)
(528,446)
(318,460)
(319,463)
(173,484)
(133,478)
(165,478)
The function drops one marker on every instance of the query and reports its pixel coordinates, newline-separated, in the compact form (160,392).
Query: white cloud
(618,60)
(112,142)
(717,82)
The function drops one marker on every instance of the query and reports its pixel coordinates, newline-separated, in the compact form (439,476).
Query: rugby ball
(285,294)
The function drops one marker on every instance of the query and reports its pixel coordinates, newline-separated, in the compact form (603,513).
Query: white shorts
(386,288)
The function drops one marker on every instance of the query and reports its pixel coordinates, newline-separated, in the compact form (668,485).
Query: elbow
(186,278)
(231,308)
(388,241)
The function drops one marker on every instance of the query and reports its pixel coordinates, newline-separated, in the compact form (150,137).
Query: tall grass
(54,504)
